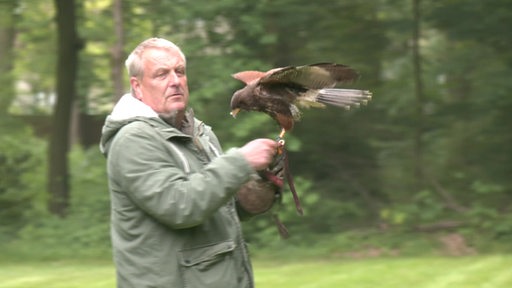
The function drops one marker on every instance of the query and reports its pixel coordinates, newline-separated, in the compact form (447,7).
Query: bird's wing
(339,72)
(315,76)
(249,76)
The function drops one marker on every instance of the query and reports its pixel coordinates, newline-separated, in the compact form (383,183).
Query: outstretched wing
(252,76)
(315,76)
(249,76)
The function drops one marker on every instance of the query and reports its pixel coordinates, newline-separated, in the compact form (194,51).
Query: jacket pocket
(210,266)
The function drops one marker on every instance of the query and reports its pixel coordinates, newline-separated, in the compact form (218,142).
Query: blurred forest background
(428,161)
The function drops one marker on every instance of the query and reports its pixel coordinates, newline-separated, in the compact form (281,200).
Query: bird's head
(239,102)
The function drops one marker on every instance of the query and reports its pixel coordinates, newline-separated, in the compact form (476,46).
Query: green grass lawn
(427,272)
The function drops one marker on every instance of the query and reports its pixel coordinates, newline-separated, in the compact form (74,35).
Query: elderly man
(175,211)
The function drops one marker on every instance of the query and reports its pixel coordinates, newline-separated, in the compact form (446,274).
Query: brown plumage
(281,91)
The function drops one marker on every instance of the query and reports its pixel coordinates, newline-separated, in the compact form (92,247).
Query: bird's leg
(286,169)
(281,135)
(280,142)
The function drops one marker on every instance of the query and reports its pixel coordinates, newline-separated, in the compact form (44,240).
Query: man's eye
(162,75)
(180,72)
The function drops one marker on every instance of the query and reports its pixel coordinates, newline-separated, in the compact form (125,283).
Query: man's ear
(134,82)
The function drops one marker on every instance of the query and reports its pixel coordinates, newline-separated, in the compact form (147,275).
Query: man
(174,216)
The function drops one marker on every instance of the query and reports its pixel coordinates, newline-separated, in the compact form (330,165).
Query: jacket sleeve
(143,169)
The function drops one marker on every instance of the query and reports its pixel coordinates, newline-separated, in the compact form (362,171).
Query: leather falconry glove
(260,193)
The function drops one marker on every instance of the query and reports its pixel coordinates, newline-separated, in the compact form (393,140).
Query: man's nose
(173,79)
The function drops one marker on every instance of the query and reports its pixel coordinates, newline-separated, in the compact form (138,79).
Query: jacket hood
(127,110)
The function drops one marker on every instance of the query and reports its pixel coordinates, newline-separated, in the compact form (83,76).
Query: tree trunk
(7,33)
(419,94)
(117,50)
(67,63)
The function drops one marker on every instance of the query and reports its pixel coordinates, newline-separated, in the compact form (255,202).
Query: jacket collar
(129,109)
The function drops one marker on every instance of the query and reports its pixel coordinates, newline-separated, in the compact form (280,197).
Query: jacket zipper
(231,207)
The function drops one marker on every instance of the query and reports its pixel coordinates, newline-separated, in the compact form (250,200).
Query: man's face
(164,85)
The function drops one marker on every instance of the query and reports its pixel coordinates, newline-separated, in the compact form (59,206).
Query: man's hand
(259,194)
(259,153)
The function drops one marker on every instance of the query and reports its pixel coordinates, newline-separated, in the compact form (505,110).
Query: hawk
(281,91)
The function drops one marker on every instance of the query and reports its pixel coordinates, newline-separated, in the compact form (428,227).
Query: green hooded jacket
(174,220)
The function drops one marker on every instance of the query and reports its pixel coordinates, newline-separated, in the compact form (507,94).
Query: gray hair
(134,61)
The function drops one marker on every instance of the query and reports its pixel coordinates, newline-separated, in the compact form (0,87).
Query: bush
(84,233)
(21,166)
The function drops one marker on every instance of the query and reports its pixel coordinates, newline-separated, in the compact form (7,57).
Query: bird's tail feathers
(345,98)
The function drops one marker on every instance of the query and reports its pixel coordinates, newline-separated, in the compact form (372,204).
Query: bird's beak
(234,112)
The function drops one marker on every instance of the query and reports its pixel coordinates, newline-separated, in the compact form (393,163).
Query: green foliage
(352,169)
(456,17)
(21,160)
(35,57)
(84,233)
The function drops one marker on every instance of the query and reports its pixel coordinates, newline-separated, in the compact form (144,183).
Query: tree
(438,125)
(7,33)
(117,50)
(418,93)
(68,47)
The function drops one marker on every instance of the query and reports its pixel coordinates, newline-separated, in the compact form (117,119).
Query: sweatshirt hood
(126,110)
